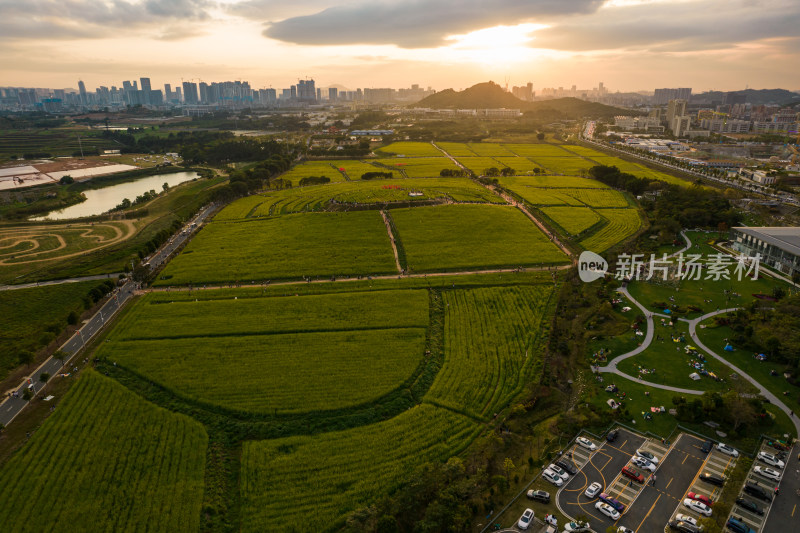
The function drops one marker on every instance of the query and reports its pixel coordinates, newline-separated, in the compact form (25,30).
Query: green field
(490,150)
(521,165)
(536,151)
(308,169)
(462,237)
(490,348)
(279,354)
(600,197)
(106,461)
(411,149)
(622,223)
(478,165)
(58,141)
(287,482)
(418,167)
(573,220)
(456,149)
(288,247)
(557,182)
(570,166)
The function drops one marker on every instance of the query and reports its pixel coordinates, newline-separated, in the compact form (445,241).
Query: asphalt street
(14,403)
(786,506)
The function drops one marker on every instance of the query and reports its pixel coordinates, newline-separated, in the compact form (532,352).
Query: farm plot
(600,197)
(411,149)
(308,169)
(559,182)
(570,166)
(456,149)
(490,336)
(622,223)
(478,165)
(490,150)
(270,352)
(584,151)
(316,244)
(419,167)
(106,461)
(355,169)
(461,237)
(286,481)
(535,151)
(540,196)
(521,165)
(573,220)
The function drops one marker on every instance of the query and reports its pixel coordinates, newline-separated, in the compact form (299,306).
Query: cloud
(82,19)
(277,9)
(416,23)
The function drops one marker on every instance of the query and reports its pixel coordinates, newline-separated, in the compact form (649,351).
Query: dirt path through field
(391,239)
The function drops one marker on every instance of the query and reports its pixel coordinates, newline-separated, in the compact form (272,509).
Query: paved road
(115,275)
(14,404)
(786,506)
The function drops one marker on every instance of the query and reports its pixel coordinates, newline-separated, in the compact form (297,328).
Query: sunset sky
(628,44)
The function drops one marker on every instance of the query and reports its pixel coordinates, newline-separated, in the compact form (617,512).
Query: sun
(495,45)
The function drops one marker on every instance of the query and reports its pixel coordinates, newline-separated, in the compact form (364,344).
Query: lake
(98,201)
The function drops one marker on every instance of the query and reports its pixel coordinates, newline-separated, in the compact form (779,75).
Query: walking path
(391,239)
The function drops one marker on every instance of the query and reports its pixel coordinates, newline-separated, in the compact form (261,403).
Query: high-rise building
(333,94)
(662,96)
(675,108)
(167,92)
(145,90)
(190,93)
(204,92)
(82,91)
(306,92)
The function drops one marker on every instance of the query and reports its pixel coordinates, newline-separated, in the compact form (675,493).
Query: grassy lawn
(292,246)
(456,237)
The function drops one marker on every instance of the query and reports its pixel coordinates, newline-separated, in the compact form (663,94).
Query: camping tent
(695,376)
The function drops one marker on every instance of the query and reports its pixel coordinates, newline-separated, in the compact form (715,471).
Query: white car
(768,473)
(727,450)
(525,520)
(593,490)
(697,507)
(560,471)
(686,518)
(552,477)
(647,455)
(643,463)
(771,460)
(607,510)
(586,443)
(576,526)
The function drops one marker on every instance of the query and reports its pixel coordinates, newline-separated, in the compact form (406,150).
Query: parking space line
(648,512)
(668,484)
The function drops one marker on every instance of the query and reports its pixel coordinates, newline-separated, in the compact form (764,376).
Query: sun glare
(498,44)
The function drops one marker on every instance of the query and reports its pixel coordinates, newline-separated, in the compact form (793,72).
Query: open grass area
(411,149)
(462,237)
(106,460)
(275,354)
(622,224)
(286,481)
(573,220)
(288,247)
(490,347)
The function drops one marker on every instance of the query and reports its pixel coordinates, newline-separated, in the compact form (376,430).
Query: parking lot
(786,506)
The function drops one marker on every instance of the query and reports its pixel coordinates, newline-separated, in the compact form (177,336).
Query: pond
(98,201)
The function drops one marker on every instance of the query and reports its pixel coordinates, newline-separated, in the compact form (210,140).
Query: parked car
(577,526)
(593,490)
(683,527)
(769,473)
(525,520)
(644,464)
(612,435)
(539,496)
(586,443)
(738,526)
(686,518)
(632,474)
(560,471)
(647,455)
(569,466)
(700,498)
(750,505)
(623,529)
(727,450)
(697,507)
(771,460)
(552,477)
(707,445)
(607,510)
(759,492)
(712,479)
(613,502)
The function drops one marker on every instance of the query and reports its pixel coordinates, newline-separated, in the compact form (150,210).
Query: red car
(700,498)
(632,474)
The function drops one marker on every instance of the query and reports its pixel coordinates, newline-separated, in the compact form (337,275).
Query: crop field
(565,165)
(573,220)
(600,197)
(355,169)
(540,196)
(461,237)
(106,461)
(412,149)
(584,151)
(640,171)
(535,151)
(478,165)
(456,149)
(287,481)
(419,167)
(558,182)
(490,150)
(522,165)
(622,223)
(489,346)
(55,142)
(292,246)
(313,168)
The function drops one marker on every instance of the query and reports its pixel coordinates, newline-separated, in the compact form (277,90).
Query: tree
(27,394)
(44,376)
(508,466)
(25,357)
(739,410)
(540,136)
(165,186)
(66,180)
(60,355)
(73,318)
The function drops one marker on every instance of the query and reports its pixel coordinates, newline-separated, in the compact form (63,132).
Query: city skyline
(632,45)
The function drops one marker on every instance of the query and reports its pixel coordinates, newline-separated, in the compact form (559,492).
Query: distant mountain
(752,96)
(490,95)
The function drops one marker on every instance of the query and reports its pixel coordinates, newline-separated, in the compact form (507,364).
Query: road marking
(648,512)
(668,484)
(793,510)
(686,457)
